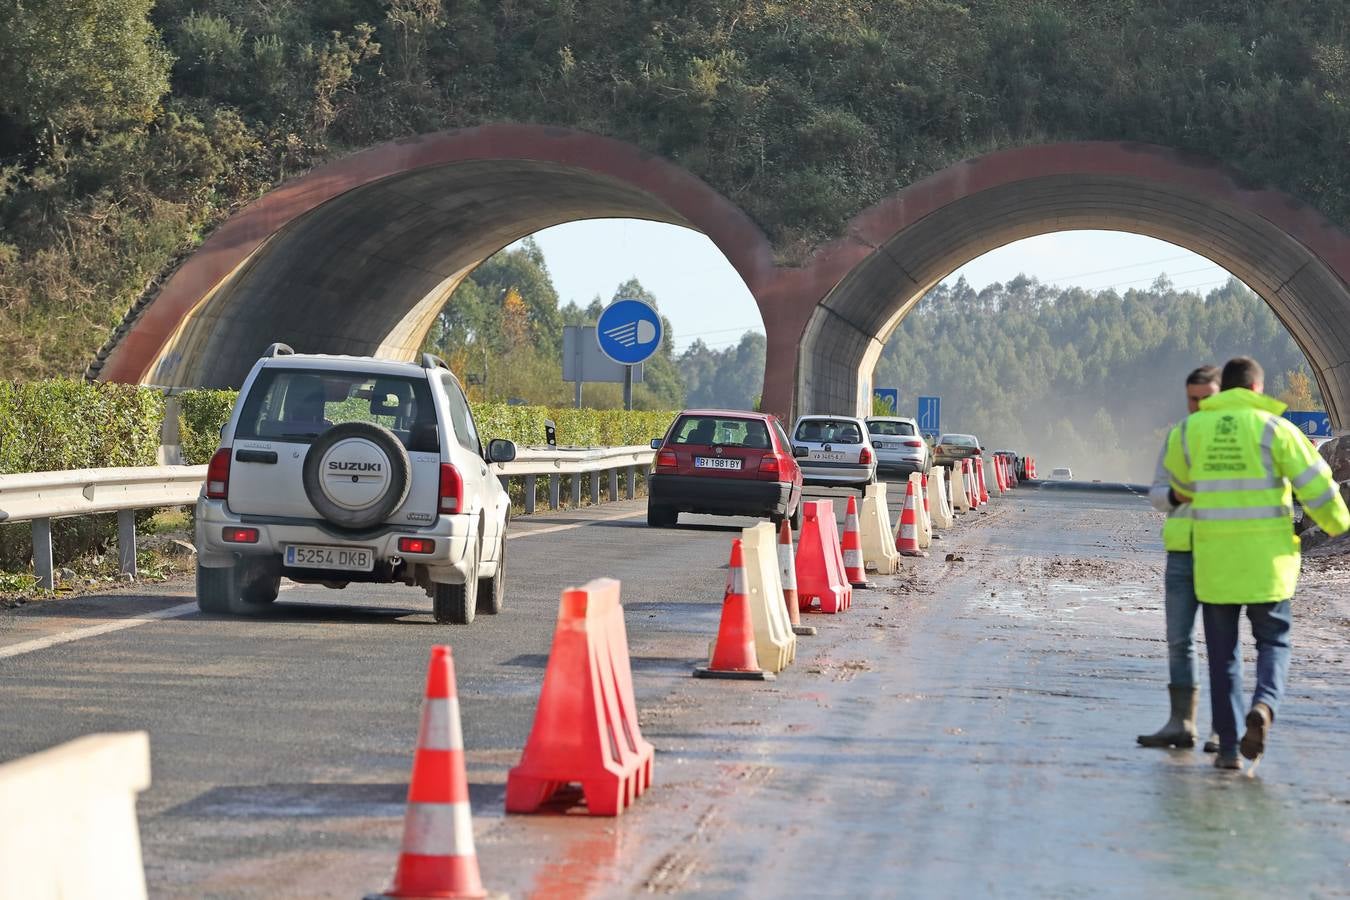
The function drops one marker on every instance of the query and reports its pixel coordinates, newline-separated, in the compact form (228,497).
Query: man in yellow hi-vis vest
(1179,603)
(1235,460)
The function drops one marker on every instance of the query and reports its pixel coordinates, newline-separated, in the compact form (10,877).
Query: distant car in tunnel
(341,469)
(1062,473)
(839,451)
(724,463)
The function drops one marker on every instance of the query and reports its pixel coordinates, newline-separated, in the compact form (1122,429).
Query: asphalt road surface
(967,727)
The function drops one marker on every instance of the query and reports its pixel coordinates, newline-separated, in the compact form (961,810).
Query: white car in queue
(341,469)
(839,451)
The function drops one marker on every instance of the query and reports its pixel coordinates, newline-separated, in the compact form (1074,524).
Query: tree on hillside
(729,378)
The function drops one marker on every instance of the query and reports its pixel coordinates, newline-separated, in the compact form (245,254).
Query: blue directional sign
(889,396)
(1313,424)
(930,415)
(629,331)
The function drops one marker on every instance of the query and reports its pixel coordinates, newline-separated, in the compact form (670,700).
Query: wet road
(968,726)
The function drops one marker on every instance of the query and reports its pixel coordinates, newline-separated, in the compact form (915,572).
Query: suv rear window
(827,431)
(726,431)
(299,405)
(891,429)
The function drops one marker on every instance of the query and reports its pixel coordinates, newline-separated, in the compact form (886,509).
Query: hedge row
(56,425)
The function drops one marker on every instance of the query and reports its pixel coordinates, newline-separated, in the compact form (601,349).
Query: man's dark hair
(1204,375)
(1241,372)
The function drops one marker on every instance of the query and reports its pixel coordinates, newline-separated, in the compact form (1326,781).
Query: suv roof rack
(431,361)
(278,349)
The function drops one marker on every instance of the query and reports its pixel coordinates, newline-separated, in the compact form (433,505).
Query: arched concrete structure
(1284,250)
(358,255)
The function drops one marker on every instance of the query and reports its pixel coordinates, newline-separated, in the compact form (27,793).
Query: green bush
(201,416)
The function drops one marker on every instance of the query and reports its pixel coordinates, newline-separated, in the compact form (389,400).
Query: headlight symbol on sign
(629,331)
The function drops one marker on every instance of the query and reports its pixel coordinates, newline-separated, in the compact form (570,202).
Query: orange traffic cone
(438,858)
(787,567)
(1000,481)
(972,489)
(733,654)
(979,474)
(907,537)
(851,546)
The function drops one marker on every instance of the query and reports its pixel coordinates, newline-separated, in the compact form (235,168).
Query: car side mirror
(501,451)
(799,452)
(656,443)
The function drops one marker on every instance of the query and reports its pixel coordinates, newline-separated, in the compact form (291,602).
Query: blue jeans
(1180,605)
(1271,624)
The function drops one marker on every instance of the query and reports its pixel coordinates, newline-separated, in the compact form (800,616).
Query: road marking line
(66,637)
(183,609)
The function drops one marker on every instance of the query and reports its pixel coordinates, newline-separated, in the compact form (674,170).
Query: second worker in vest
(1235,461)
(1179,603)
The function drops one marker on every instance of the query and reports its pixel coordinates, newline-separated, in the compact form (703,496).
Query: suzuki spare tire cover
(357,474)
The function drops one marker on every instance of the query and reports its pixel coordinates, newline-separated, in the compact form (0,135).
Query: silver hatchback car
(839,451)
(899,446)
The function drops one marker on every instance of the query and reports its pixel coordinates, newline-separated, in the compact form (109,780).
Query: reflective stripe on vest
(1306,477)
(1324,498)
(1237,484)
(1233,513)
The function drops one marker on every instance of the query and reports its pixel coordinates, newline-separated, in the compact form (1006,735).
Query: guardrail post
(632,482)
(529,495)
(576,491)
(554,491)
(613,485)
(595,488)
(126,541)
(42,553)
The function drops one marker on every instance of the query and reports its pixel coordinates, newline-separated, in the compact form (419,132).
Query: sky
(698,290)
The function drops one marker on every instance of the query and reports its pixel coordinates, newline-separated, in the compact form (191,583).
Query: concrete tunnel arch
(358,255)
(1290,255)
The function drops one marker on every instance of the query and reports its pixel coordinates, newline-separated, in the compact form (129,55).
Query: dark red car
(725,463)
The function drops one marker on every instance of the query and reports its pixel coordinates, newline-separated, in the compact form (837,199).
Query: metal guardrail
(39,497)
(554,462)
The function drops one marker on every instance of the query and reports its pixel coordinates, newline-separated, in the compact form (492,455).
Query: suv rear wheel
(492,591)
(455,604)
(237,590)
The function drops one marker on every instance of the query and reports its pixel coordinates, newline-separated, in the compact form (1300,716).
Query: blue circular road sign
(629,331)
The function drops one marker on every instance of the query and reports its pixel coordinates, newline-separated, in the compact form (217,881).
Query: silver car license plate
(716,462)
(346,559)
(829,456)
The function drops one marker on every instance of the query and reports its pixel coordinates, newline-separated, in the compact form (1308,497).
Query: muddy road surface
(967,727)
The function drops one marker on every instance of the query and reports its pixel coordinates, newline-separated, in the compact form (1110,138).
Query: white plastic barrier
(877,544)
(70,816)
(937,498)
(925,519)
(960,502)
(775,642)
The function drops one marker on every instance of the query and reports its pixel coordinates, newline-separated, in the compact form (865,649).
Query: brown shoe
(1258,726)
(1224,761)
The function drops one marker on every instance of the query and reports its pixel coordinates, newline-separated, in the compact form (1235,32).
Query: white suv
(340,469)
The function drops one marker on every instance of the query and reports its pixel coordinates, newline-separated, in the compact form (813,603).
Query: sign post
(930,415)
(629,332)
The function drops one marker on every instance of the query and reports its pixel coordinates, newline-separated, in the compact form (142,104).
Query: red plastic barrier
(820,564)
(586,726)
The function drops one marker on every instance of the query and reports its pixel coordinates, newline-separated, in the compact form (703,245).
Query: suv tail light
(218,475)
(865,456)
(452,489)
(240,535)
(665,459)
(416,545)
(770,465)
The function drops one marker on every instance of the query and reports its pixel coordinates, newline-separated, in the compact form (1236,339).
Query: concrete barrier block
(72,812)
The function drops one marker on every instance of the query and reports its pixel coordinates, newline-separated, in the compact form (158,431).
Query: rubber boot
(1258,726)
(1180,728)
(1212,745)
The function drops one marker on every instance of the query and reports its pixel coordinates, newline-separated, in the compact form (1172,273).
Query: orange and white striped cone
(851,545)
(1000,481)
(787,570)
(733,652)
(907,535)
(438,858)
(972,489)
(928,512)
(979,474)
(925,518)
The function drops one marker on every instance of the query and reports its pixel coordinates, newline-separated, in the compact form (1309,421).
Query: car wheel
(455,604)
(228,591)
(492,591)
(661,516)
(795,520)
